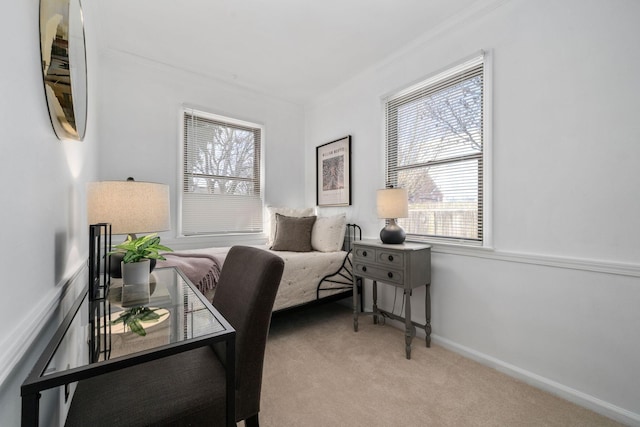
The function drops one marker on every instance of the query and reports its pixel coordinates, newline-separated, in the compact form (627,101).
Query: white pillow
(271,221)
(327,234)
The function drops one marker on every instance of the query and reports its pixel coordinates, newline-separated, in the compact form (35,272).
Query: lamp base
(392,234)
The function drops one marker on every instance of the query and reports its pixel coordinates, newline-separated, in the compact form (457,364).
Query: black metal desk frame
(38,381)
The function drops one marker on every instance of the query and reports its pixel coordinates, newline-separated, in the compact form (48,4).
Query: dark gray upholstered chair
(188,389)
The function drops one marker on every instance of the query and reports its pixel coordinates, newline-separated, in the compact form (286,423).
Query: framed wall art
(333,173)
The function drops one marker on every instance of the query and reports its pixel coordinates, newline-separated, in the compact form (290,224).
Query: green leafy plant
(142,247)
(133,318)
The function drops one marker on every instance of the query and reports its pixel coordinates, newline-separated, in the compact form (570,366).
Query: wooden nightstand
(407,266)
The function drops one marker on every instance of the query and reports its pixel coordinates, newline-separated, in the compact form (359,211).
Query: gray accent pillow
(293,233)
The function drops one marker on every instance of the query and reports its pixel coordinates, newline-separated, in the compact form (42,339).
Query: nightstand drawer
(364,254)
(375,272)
(390,258)
(384,257)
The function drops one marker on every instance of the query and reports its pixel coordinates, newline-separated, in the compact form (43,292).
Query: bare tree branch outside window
(224,160)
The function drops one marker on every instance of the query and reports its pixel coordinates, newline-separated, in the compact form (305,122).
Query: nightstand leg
(375,302)
(408,334)
(427,310)
(355,304)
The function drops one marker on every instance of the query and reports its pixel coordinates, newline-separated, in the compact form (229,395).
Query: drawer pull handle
(364,253)
(390,257)
(364,268)
(390,274)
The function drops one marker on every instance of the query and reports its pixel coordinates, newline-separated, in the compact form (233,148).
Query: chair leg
(252,421)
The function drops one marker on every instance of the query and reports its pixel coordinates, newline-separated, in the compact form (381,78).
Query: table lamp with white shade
(392,203)
(130,207)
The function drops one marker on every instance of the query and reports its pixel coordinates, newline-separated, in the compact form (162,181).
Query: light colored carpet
(318,372)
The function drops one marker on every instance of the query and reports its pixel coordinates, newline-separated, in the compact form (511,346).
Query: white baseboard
(575,396)
(572,395)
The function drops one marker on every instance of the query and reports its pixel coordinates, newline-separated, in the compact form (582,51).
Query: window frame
(485,209)
(226,119)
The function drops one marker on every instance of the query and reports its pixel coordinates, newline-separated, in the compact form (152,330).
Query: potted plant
(137,254)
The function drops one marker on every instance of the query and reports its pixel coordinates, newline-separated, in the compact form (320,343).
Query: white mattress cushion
(302,273)
(327,234)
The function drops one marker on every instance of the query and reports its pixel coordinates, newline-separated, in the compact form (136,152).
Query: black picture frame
(333,173)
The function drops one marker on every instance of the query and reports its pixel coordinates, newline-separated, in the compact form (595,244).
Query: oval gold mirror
(64,66)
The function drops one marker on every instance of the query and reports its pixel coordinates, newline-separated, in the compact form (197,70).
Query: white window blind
(434,145)
(221,179)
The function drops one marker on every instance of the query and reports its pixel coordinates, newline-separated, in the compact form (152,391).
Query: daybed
(316,251)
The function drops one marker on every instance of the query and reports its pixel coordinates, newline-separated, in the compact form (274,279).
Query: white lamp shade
(129,206)
(392,203)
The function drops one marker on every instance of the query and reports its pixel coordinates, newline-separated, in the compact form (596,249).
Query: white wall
(140,102)
(555,301)
(44,233)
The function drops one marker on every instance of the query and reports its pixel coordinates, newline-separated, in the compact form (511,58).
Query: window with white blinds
(434,147)
(221,175)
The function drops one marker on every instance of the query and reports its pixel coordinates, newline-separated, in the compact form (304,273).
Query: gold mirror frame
(64,66)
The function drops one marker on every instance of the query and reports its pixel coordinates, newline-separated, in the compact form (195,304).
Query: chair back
(244,295)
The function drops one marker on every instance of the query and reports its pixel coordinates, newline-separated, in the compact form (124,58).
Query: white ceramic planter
(135,273)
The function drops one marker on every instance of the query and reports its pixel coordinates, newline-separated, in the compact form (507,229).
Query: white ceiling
(292,49)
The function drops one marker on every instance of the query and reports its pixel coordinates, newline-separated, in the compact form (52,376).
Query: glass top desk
(187,320)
